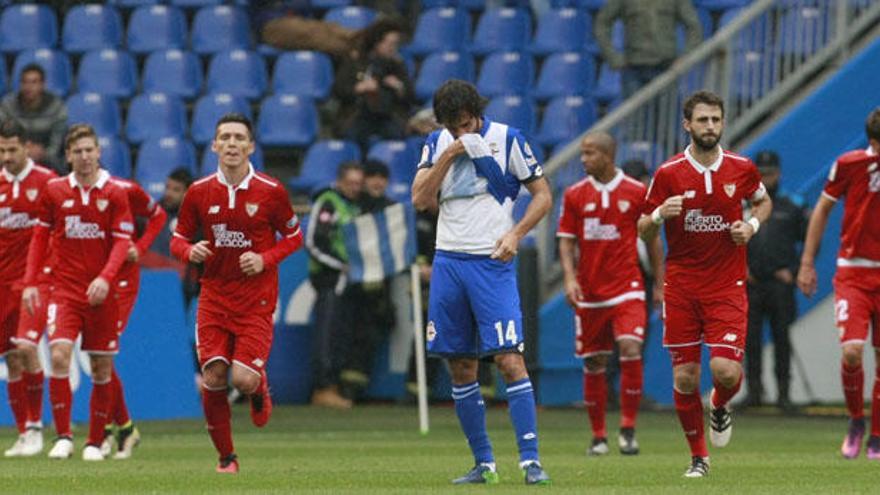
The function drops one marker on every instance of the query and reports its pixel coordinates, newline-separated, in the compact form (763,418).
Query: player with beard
(698,196)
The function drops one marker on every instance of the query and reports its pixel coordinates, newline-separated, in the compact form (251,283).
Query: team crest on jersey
(493,147)
(729,189)
(690,194)
(31,194)
(623,205)
(431,332)
(68,203)
(251,208)
(102,204)
(590,207)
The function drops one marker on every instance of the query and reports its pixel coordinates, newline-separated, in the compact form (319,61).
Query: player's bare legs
(218,414)
(853,378)
(595,400)
(727,375)
(523,415)
(689,406)
(99,405)
(630,393)
(15,387)
(61,399)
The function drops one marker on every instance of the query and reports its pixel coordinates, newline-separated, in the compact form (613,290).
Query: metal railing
(755,62)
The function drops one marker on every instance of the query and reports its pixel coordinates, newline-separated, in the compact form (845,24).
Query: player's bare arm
(741,232)
(567,256)
(542,200)
(251,263)
(649,225)
(426,184)
(806,279)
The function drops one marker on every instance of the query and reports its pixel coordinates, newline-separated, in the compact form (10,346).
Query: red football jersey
(141,205)
(856,175)
(701,255)
(603,218)
(235,220)
(83,224)
(19,200)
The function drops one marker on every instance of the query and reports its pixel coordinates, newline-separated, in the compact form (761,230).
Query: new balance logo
(730,337)
(75,228)
(68,203)
(229,238)
(689,194)
(212,210)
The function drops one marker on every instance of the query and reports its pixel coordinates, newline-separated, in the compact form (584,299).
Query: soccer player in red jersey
(237,212)
(605,286)
(89,221)
(21,184)
(127,283)
(856,176)
(699,196)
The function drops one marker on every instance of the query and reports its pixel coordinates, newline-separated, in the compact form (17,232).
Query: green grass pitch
(377,449)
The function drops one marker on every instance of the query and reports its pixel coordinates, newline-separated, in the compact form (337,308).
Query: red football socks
(218,418)
(630,391)
(595,400)
(722,394)
(119,410)
(33,383)
(18,402)
(853,383)
(99,411)
(61,399)
(690,413)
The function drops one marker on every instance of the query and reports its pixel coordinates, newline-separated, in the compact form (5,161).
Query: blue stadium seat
(159,157)
(440,29)
(401,159)
(287,120)
(208,110)
(502,29)
(753,75)
(471,5)
(329,4)
(564,74)
(563,30)
(352,17)
(320,163)
(608,87)
(27,26)
(194,3)
(115,156)
(174,72)
(156,27)
(303,73)
(128,4)
(91,27)
(649,152)
(238,72)
(515,111)
(565,118)
(218,28)
(55,63)
(439,67)
(802,31)
(4,80)
(100,111)
(155,115)
(506,73)
(754,37)
(721,4)
(592,5)
(110,72)
(209,160)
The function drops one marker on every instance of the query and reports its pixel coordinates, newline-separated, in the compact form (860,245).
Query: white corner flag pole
(418,330)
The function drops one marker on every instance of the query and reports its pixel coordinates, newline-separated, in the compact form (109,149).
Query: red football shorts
(99,325)
(10,305)
(719,320)
(233,338)
(31,327)
(596,329)
(126,296)
(857,304)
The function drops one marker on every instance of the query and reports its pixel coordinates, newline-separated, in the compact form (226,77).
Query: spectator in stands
(176,184)
(374,91)
(371,311)
(328,263)
(43,115)
(773,259)
(650,43)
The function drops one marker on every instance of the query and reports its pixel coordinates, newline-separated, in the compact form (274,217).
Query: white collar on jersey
(21,175)
(610,185)
(103,178)
(699,166)
(244,182)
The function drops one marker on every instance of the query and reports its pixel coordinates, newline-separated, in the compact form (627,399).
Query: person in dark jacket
(773,257)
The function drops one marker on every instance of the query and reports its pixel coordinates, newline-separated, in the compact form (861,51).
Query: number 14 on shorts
(509,334)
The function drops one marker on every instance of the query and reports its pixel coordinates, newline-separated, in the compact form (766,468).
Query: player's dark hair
(77,132)
(455,98)
(872,125)
(705,97)
(236,118)
(375,32)
(373,168)
(182,175)
(11,128)
(345,167)
(33,67)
